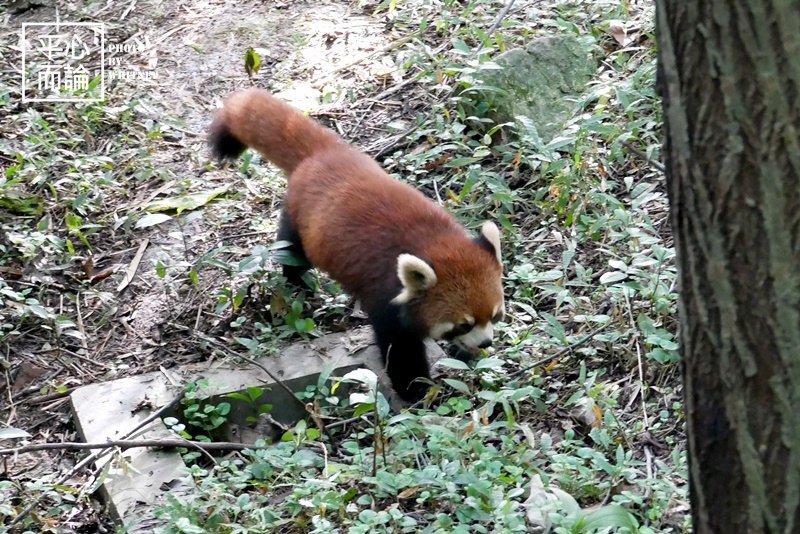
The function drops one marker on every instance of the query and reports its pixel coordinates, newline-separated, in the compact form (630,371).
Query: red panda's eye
(461,329)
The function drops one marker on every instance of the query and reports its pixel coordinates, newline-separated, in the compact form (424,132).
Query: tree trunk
(729,75)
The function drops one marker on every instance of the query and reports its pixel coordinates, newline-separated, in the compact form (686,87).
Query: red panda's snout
(468,334)
(456,295)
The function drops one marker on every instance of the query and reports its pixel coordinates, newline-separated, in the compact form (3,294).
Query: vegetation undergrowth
(591,440)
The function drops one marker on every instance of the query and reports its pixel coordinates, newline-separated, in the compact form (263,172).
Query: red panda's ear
(415,275)
(491,234)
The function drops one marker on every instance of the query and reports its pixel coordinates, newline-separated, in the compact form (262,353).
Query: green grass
(592,441)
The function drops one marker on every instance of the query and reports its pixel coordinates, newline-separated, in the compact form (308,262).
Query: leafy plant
(250,396)
(201,418)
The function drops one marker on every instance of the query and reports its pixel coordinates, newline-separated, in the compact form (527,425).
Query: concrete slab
(110,410)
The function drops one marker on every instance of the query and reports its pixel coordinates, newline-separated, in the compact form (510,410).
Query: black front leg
(403,350)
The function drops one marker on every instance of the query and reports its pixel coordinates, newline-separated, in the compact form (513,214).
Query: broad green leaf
(72,221)
(290,258)
(152,219)
(453,363)
(39,311)
(458,385)
(238,396)
(612,515)
(252,61)
(186,202)
(612,276)
(618,265)
(489,363)
(361,409)
(362,376)
(185,526)
(278,245)
(254,392)
(249,343)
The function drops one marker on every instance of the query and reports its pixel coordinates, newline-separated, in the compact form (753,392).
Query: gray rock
(110,410)
(540,82)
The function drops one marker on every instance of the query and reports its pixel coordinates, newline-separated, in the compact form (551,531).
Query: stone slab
(110,410)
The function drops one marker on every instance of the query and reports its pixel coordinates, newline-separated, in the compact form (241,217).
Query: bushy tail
(282,134)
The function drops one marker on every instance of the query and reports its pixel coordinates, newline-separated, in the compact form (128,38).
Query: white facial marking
(477,336)
(440,329)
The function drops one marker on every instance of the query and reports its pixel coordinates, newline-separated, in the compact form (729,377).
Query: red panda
(415,270)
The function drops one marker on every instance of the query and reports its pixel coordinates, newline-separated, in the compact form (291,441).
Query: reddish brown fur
(354,220)
(272,127)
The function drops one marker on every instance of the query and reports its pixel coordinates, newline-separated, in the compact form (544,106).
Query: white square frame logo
(98,27)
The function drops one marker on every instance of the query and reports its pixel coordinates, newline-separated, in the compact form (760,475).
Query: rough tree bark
(729,75)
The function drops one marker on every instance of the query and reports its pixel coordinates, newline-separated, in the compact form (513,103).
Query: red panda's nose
(486,344)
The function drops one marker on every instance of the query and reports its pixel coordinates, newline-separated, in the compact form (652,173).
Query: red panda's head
(457,294)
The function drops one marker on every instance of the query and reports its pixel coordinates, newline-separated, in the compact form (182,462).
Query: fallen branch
(569,348)
(495,25)
(633,148)
(251,361)
(93,457)
(125,444)
(41,399)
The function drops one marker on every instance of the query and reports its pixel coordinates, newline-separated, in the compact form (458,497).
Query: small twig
(12,408)
(269,373)
(409,81)
(392,90)
(639,363)
(81,357)
(496,24)
(648,455)
(398,141)
(133,266)
(436,191)
(129,444)
(155,415)
(544,361)
(360,119)
(198,317)
(128,10)
(243,234)
(656,165)
(79,320)
(344,422)
(90,459)
(322,446)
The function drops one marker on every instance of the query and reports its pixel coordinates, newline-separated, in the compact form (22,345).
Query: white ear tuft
(415,275)
(490,232)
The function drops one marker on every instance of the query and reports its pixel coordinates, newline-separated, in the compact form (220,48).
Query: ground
(587,242)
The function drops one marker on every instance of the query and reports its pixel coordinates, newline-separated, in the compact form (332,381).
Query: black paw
(454,351)
(413,392)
